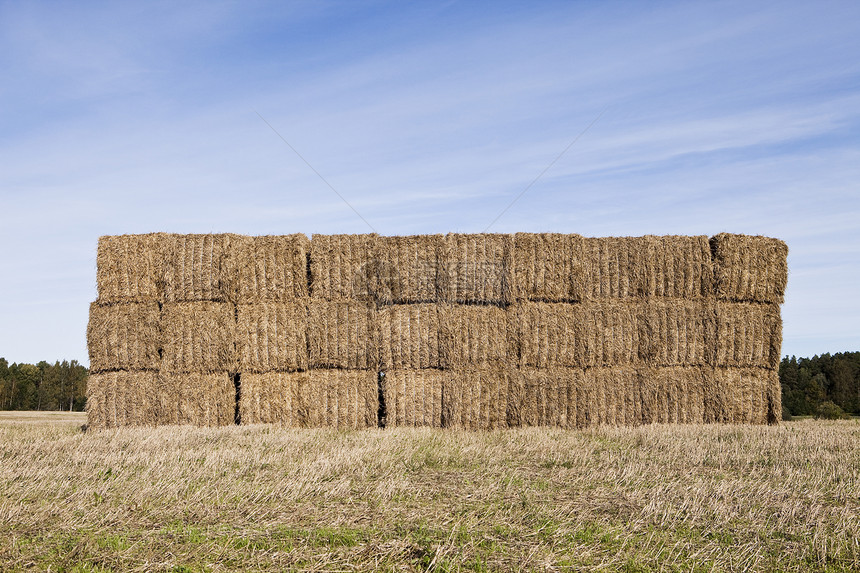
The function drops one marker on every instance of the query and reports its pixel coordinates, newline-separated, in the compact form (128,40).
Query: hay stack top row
(464,268)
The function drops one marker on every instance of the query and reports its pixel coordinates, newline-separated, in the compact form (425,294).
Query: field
(653,498)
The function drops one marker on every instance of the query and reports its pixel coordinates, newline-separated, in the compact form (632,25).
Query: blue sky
(428,117)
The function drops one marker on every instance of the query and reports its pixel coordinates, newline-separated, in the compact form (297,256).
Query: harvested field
(124,336)
(343,334)
(130,268)
(473,336)
(199,337)
(409,336)
(272,337)
(414,397)
(270,268)
(478,268)
(750,268)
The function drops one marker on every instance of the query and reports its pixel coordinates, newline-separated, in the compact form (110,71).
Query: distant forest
(807,384)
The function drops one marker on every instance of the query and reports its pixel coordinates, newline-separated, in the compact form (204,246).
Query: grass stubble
(259,498)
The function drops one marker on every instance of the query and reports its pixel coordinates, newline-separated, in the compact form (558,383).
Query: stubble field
(653,498)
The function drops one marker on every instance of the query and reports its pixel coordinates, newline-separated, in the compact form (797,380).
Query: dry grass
(668,498)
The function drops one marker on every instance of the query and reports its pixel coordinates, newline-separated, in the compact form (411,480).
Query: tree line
(811,385)
(43,386)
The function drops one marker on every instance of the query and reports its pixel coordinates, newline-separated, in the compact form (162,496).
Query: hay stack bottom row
(461,331)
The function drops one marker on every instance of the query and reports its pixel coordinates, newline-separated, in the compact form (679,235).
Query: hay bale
(199,337)
(609,333)
(124,398)
(542,397)
(198,398)
(473,336)
(199,268)
(342,334)
(343,399)
(743,396)
(272,398)
(130,268)
(409,336)
(408,269)
(547,335)
(414,397)
(270,268)
(747,335)
(475,399)
(615,267)
(124,336)
(673,395)
(548,267)
(344,267)
(678,267)
(272,336)
(750,268)
(675,332)
(478,268)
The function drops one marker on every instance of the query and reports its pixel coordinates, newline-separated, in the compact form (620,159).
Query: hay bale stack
(750,268)
(473,336)
(609,333)
(543,397)
(478,268)
(272,337)
(414,397)
(475,399)
(409,336)
(675,332)
(408,269)
(678,267)
(607,396)
(743,396)
(672,395)
(199,337)
(125,398)
(547,335)
(342,334)
(198,398)
(615,267)
(124,336)
(747,335)
(130,268)
(344,267)
(270,268)
(548,267)
(272,398)
(347,399)
(199,268)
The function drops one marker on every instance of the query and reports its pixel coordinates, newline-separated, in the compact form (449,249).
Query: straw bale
(270,268)
(675,332)
(747,334)
(342,334)
(409,336)
(345,267)
(672,395)
(546,335)
(199,399)
(475,399)
(613,397)
(750,268)
(346,399)
(272,398)
(743,396)
(124,336)
(272,336)
(609,332)
(543,397)
(408,269)
(199,268)
(130,268)
(548,267)
(124,398)
(414,397)
(473,335)
(199,337)
(615,267)
(478,268)
(679,267)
